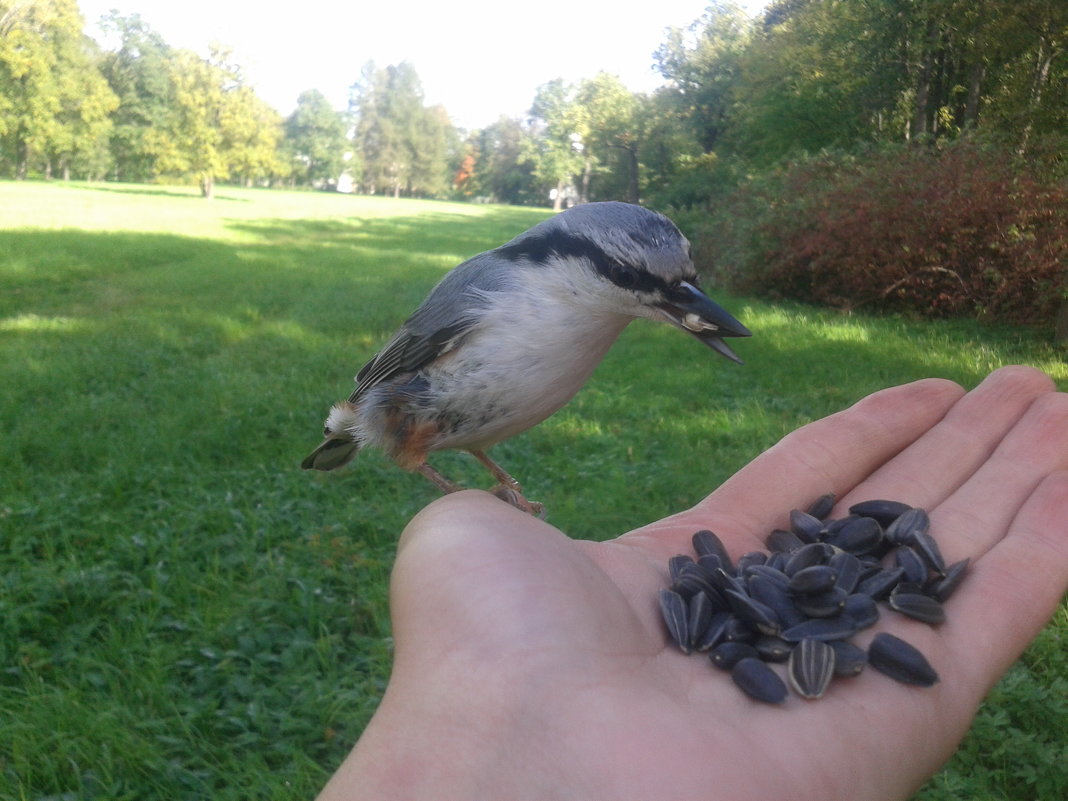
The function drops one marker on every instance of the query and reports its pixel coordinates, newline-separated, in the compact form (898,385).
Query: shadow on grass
(190,193)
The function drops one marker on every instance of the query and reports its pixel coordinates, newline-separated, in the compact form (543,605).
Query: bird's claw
(513,498)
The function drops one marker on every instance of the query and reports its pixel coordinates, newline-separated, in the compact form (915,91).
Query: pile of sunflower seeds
(820,584)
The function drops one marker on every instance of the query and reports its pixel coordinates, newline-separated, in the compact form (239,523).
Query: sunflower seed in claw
(954,575)
(812,580)
(822,506)
(727,654)
(884,511)
(919,607)
(900,661)
(849,659)
(827,628)
(673,607)
(759,681)
(698,616)
(811,668)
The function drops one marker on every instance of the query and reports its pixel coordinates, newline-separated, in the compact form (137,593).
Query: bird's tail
(340,446)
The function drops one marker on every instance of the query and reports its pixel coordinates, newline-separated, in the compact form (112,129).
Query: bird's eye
(621,275)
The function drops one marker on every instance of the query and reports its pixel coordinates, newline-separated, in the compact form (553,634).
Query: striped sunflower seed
(811,668)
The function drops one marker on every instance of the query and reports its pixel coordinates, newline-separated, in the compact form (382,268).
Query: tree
(557,148)
(403,146)
(53,101)
(316,137)
(139,73)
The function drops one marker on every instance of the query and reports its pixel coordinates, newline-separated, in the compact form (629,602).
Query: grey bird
(509,336)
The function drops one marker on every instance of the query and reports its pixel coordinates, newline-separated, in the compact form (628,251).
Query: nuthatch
(509,336)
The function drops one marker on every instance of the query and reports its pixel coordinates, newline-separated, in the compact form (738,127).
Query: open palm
(530,665)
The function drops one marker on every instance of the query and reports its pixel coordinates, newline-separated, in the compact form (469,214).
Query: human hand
(529,665)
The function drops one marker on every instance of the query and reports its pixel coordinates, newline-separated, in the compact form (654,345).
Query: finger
(976,516)
(1014,587)
(832,454)
(936,464)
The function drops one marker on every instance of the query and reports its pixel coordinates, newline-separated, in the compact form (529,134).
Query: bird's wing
(451,309)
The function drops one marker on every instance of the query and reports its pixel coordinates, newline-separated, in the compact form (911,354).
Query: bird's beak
(692,310)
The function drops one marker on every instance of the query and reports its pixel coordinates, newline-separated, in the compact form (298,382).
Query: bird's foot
(513,498)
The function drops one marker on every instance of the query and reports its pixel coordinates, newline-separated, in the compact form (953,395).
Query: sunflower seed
(822,604)
(737,630)
(705,541)
(910,561)
(925,545)
(774,596)
(805,526)
(883,511)
(849,659)
(860,536)
(900,661)
(759,681)
(954,575)
(919,607)
(747,560)
(773,649)
(760,617)
(847,567)
(828,628)
(905,526)
(698,616)
(815,553)
(879,584)
(862,608)
(714,632)
(782,541)
(812,580)
(811,668)
(727,654)
(769,573)
(675,564)
(822,506)
(673,608)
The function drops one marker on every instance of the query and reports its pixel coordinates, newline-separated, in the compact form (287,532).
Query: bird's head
(640,265)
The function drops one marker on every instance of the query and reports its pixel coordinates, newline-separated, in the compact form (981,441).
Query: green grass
(185,613)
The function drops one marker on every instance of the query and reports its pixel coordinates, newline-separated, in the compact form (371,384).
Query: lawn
(184,613)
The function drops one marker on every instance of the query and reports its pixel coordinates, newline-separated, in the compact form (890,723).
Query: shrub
(964,229)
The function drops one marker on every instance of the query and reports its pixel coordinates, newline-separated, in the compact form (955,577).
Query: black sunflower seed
(706,542)
(883,511)
(727,654)
(714,633)
(822,604)
(673,607)
(841,627)
(900,661)
(698,616)
(805,526)
(773,649)
(782,541)
(862,609)
(878,585)
(759,681)
(905,526)
(848,568)
(815,553)
(910,561)
(812,580)
(860,536)
(675,564)
(954,575)
(811,668)
(849,659)
(919,607)
(822,506)
(760,617)
(926,547)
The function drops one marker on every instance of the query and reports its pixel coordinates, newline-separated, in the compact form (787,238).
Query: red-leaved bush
(961,230)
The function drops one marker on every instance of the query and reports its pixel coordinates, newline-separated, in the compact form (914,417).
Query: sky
(477,58)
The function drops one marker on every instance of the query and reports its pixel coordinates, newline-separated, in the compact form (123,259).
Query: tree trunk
(584,193)
(207,187)
(558,198)
(1039,79)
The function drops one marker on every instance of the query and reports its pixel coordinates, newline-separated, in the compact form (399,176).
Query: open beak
(692,310)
